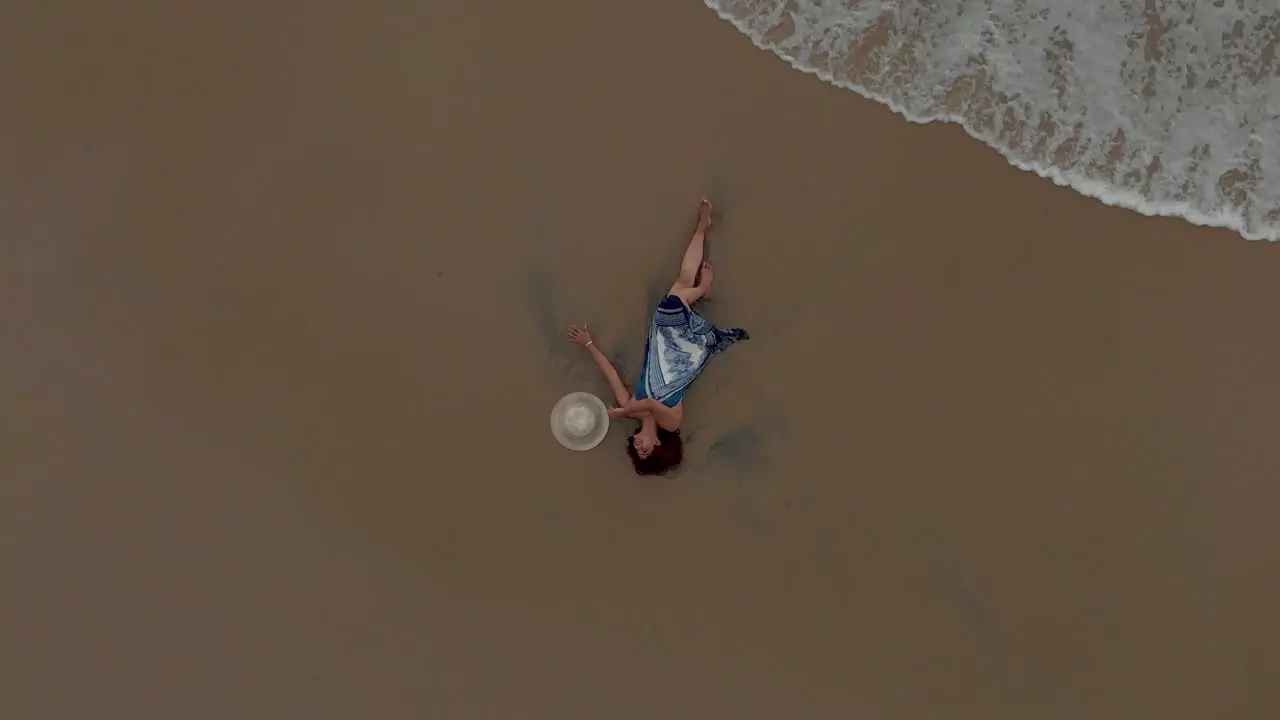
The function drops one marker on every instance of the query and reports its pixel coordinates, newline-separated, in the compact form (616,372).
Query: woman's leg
(687,283)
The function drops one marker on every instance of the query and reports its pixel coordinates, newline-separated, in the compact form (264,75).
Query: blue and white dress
(681,343)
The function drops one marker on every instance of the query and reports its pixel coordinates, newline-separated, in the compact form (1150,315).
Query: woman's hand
(632,408)
(579,335)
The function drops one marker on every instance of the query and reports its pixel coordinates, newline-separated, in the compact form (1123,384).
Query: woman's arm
(620,392)
(667,418)
(581,336)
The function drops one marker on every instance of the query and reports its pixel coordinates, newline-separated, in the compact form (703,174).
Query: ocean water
(1166,107)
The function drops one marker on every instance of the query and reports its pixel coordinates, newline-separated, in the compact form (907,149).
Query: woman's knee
(689,294)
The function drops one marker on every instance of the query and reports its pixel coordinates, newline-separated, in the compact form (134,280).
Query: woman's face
(644,444)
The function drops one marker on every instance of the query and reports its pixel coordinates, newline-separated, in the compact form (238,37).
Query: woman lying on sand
(681,343)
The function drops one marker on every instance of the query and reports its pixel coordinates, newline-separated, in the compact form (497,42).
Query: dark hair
(664,457)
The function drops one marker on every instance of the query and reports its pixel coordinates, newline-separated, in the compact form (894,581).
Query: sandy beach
(281,299)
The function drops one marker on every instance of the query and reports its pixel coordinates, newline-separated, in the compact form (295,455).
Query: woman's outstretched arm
(581,336)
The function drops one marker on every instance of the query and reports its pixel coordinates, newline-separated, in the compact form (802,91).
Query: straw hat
(579,421)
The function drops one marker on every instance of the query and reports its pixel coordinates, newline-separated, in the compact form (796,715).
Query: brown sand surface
(281,288)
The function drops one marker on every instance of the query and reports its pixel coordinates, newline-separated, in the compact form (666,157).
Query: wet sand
(281,293)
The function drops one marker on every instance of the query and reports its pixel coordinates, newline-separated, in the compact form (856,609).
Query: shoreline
(1103,191)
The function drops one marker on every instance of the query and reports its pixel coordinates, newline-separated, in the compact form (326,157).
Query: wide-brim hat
(579,421)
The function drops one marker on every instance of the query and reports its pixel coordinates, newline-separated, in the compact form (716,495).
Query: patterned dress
(681,343)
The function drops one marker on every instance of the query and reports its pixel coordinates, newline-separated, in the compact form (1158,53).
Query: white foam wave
(1166,107)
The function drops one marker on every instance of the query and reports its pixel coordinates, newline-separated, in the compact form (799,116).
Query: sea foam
(1167,107)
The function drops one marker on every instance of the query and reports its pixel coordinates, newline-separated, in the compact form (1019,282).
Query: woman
(681,343)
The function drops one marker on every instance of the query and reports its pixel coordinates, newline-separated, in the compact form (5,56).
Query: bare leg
(691,295)
(692,261)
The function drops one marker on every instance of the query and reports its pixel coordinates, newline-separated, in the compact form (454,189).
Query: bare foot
(706,276)
(704,214)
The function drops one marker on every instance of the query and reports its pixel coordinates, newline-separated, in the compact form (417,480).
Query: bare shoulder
(669,418)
